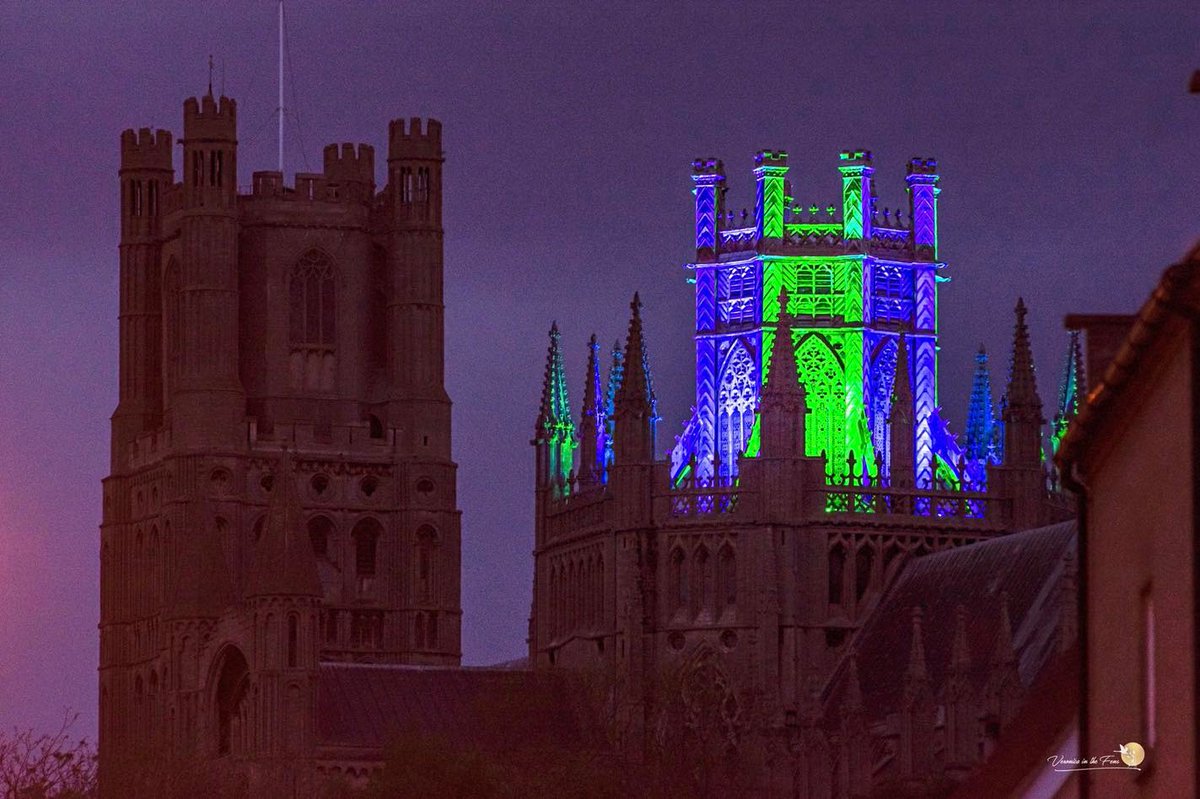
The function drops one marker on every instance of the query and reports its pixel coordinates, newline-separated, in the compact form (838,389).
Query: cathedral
(280,523)
(818,570)
(818,573)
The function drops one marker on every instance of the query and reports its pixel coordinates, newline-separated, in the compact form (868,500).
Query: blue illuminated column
(923,191)
(708,179)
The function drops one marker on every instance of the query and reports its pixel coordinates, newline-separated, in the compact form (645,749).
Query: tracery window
(735,404)
(825,391)
(883,374)
(702,582)
(814,295)
(312,322)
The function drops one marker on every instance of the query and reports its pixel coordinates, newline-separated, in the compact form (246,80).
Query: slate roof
(1026,567)
(365,706)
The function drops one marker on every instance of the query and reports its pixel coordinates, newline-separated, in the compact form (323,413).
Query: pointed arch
(677,580)
(312,321)
(824,376)
(232,686)
(837,571)
(726,578)
(737,398)
(883,376)
(701,582)
(366,535)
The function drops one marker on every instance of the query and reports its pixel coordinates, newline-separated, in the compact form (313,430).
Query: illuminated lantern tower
(855,277)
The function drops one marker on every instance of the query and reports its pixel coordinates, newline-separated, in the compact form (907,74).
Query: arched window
(677,580)
(863,561)
(426,544)
(312,321)
(726,577)
(883,374)
(825,390)
(701,582)
(837,568)
(320,530)
(293,642)
(232,708)
(366,543)
(736,400)
(814,291)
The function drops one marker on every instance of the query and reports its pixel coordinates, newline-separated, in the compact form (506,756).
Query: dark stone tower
(281,493)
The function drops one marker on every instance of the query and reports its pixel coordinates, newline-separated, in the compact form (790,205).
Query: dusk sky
(1066,138)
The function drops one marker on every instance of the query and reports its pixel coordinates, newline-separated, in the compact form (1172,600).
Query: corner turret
(415,172)
(856,172)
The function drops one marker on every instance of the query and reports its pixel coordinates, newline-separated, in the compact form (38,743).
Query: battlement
(708,166)
(350,165)
(146,149)
(770,158)
(209,118)
(922,166)
(855,158)
(412,142)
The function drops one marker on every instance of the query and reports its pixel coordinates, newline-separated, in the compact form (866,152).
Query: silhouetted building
(282,494)
(815,466)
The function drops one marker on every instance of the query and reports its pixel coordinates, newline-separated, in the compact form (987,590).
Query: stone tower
(282,493)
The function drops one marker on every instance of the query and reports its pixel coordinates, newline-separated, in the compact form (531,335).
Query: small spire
(616,375)
(1022,401)
(960,654)
(210,73)
(636,391)
(783,384)
(1069,389)
(916,671)
(852,700)
(594,425)
(284,564)
(980,413)
(1004,655)
(555,408)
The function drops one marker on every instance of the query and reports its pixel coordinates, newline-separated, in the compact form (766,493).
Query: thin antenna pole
(281,86)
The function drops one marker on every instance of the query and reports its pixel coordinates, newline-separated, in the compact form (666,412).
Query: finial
(210,71)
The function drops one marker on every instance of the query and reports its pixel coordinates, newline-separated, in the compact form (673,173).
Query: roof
(366,706)
(1177,290)
(1024,568)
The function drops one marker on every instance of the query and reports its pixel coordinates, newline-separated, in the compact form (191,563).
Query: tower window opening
(197,169)
(293,642)
(366,544)
(135,197)
(216,168)
(152,197)
(312,313)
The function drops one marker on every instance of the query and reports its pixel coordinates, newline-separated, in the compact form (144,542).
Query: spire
(594,424)
(980,413)
(635,404)
(1022,406)
(960,652)
(283,562)
(782,406)
(852,700)
(1069,389)
(1022,401)
(555,409)
(916,673)
(616,375)
(1003,654)
(901,464)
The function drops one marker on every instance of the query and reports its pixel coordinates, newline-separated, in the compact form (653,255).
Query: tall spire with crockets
(554,433)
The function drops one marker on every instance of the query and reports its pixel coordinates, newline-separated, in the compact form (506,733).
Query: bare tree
(49,766)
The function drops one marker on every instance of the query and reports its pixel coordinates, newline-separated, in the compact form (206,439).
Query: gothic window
(216,162)
(837,569)
(232,708)
(293,643)
(863,561)
(814,295)
(737,303)
(702,579)
(366,543)
(677,581)
(883,375)
(426,553)
(824,383)
(197,168)
(312,322)
(320,529)
(892,289)
(726,577)
(735,403)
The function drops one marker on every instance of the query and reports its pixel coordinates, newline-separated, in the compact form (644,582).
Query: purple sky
(1066,139)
